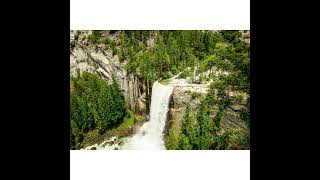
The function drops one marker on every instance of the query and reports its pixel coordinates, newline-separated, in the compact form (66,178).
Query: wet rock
(111,143)
(147,118)
(121,143)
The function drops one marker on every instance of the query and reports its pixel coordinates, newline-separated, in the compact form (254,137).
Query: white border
(160,14)
(160,165)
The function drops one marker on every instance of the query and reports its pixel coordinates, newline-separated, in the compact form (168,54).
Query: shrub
(174,69)
(167,75)
(138,118)
(185,73)
(195,95)
(240,137)
(172,140)
(94,37)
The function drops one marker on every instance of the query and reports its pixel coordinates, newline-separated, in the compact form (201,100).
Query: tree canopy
(94,105)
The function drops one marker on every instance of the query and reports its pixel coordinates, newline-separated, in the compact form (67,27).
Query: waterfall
(150,135)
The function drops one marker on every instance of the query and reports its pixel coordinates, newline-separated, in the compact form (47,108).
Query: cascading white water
(150,135)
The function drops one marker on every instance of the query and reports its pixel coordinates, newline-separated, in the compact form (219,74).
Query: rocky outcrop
(182,96)
(246,36)
(98,59)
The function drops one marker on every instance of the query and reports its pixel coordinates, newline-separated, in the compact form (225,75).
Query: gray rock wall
(100,61)
(182,96)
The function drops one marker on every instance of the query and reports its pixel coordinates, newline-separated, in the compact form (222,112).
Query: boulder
(141,105)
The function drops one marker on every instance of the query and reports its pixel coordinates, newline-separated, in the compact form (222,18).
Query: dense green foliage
(206,126)
(173,51)
(201,133)
(240,137)
(95,37)
(172,141)
(190,128)
(94,105)
(183,142)
(154,55)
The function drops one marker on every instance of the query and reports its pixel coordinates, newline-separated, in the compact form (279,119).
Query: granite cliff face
(98,59)
(181,96)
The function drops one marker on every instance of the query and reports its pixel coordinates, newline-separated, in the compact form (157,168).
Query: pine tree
(118,104)
(174,51)
(186,123)
(103,108)
(218,117)
(190,128)
(205,126)
(183,142)
(194,134)
(221,142)
(94,105)
(172,141)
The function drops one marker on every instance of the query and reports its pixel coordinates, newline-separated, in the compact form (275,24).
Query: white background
(160,165)
(160,15)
